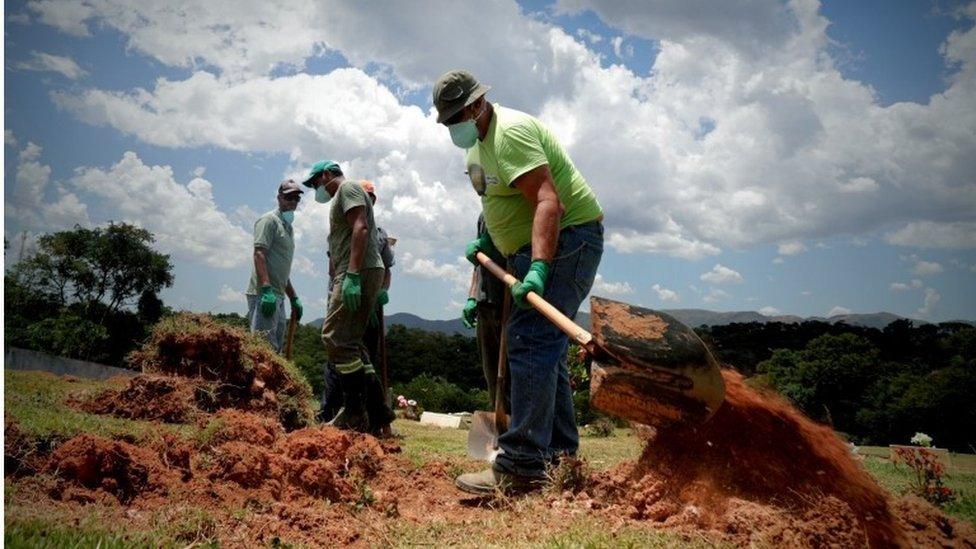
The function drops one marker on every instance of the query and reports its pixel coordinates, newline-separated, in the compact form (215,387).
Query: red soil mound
(926,526)
(96,463)
(148,397)
(229,424)
(248,465)
(320,462)
(241,369)
(758,448)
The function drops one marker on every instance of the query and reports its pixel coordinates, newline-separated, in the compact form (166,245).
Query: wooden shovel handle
(290,337)
(570,328)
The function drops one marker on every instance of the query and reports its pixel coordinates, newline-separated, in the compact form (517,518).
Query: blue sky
(793,158)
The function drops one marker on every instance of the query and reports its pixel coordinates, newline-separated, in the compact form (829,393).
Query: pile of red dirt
(230,368)
(233,425)
(757,471)
(149,397)
(99,464)
(235,465)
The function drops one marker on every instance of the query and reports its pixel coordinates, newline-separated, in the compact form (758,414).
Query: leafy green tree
(828,378)
(109,265)
(74,295)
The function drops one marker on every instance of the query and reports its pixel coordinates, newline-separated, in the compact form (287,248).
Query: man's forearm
(356,248)
(261,267)
(545,229)
(290,290)
(386,279)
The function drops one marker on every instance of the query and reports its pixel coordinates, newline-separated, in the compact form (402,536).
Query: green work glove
(383,298)
(269,301)
(352,291)
(534,281)
(468,313)
(481,244)
(296,307)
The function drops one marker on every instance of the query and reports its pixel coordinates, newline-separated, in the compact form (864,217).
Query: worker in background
(380,413)
(483,311)
(274,247)
(356,283)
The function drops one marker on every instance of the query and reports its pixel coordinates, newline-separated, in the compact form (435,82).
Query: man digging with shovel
(543,216)
(356,285)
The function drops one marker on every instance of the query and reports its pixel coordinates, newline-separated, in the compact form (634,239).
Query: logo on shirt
(479,180)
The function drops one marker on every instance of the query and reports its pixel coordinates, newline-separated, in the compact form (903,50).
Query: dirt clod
(97,463)
(148,397)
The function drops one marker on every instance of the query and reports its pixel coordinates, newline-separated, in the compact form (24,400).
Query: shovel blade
(652,369)
(483,436)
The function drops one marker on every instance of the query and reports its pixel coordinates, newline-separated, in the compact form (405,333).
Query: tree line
(92,294)
(875,386)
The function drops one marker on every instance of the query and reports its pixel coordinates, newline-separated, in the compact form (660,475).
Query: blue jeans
(273,327)
(543,424)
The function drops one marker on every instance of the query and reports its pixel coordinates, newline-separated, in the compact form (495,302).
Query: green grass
(38,402)
(179,527)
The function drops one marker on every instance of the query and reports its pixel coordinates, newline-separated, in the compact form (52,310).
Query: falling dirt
(759,471)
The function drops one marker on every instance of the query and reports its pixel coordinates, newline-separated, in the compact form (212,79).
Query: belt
(596,223)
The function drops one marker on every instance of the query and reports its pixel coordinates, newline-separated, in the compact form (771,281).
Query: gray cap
(455,90)
(289,186)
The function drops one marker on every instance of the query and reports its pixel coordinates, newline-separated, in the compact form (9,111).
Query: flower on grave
(921,439)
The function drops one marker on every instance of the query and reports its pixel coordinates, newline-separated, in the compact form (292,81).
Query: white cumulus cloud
(929,301)
(46,62)
(927,268)
(791,248)
(720,274)
(230,295)
(837,310)
(665,294)
(184,218)
(769,311)
(604,286)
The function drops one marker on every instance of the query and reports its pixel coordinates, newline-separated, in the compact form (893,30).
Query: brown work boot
(490,481)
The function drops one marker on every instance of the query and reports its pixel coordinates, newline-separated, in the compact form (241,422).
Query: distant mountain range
(691,317)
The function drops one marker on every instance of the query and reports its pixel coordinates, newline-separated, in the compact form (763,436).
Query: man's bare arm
(539,191)
(356,217)
(261,266)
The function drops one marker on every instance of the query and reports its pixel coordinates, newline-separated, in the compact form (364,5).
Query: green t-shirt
(277,239)
(348,196)
(515,144)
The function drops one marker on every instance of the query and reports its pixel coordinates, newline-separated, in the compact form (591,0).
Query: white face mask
(465,134)
(322,195)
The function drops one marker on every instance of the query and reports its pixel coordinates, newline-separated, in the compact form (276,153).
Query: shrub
(929,472)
